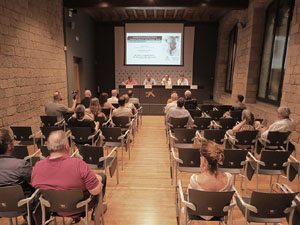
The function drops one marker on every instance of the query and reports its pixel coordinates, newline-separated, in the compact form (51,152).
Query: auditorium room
(152,112)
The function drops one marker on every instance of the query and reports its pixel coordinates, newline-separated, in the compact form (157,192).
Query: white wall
(157,72)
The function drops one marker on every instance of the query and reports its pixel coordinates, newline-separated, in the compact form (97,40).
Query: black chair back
(202,123)
(48,120)
(215,115)
(67,116)
(121,121)
(246,137)
(22,133)
(81,135)
(189,156)
(91,154)
(207,108)
(111,134)
(209,203)
(277,138)
(106,112)
(101,120)
(9,198)
(178,122)
(215,135)
(63,200)
(137,105)
(190,104)
(116,105)
(233,158)
(274,160)
(46,130)
(224,108)
(195,113)
(271,205)
(184,135)
(227,123)
(44,151)
(236,114)
(20,151)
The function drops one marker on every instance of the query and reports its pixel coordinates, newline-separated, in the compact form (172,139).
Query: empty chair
(178,122)
(21,152)
(195,113)
(224,108)
(13,203)
(260,207)
(46,130)
(227,123)
(24,135)
(188,160)
(48,120)
(215,135)
(243,139)
(113,137)
(199,204)
(270,163)
(215,114)
(69,201)
(277,140)
(183,137)
(206,108)
(94,157)
(202,123)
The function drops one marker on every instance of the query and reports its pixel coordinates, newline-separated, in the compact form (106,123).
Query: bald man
(55,108)
(87,98)
(113,99)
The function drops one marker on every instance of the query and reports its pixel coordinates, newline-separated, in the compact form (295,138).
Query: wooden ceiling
(156,10)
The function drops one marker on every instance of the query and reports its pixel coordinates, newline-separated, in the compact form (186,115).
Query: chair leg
(11,221)
(17,220)
(122,157)
(64,221)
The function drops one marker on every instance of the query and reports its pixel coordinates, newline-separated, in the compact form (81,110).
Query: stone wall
(247,65)
(32,59)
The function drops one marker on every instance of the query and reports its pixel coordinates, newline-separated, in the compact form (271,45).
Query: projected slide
(153,48)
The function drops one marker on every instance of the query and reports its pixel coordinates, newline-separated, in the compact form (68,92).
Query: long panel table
(155,98)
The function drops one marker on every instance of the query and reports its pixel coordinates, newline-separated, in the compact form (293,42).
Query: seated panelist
(149,80)
(130,81)
(166,80)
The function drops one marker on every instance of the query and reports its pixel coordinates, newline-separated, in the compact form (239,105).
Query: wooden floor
(145,194)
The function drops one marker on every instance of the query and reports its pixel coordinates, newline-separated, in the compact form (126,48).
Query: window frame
(266,99)
(232,34)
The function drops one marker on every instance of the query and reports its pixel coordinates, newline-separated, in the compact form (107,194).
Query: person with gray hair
(113,99)
(284,124)
(174,98)
(87,98)
(189,103)
(80,121)
(60,171)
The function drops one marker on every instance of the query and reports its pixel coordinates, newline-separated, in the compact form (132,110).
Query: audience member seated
(94,110)
(87,98)
(174,98)
(130,81)
(132,99)
(247,123)
(13,171)
(210,178)
(239,103)
(189,103)
(104,103)
(148,80)
(179,112)
(57,109)
(113,99)
(284,124)
(81,121)
(122,110)
(182,80)
(129,104)
(166,80)
(60,171)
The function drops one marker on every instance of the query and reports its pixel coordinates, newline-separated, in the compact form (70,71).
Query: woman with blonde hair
(94,110)
(210,178)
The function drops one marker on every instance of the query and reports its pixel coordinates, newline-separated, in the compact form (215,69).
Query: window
(278,18)
(231,59)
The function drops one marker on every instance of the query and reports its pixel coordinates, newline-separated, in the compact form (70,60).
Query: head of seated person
(122,101)
(130,93)
(211,178)
(248,117)
(283,112)
(103,98)
(80,112)
(180,102)
(188,94)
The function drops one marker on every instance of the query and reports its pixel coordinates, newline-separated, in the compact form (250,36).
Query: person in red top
(59,171)
(130,81)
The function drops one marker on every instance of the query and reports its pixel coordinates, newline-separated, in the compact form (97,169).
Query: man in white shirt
(166,80)
(148,80)
(179,112)
(122,110)
(182,80)
(174,98)
(113,99)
